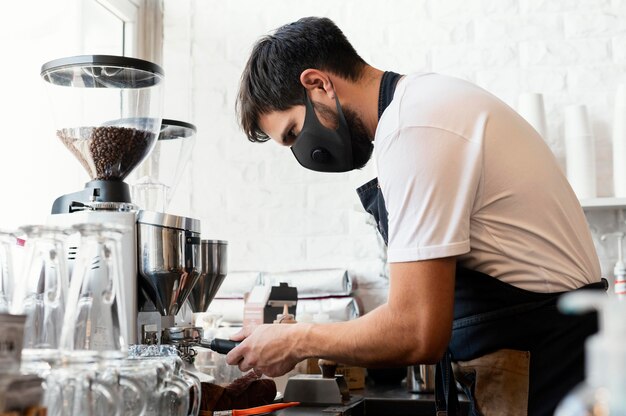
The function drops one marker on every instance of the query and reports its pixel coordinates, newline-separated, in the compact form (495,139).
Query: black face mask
(322,149)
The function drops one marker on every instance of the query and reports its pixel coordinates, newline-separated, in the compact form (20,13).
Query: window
(35,168)
(98,19)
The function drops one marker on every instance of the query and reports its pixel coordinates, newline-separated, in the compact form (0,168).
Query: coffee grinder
(109,116)
(165,280)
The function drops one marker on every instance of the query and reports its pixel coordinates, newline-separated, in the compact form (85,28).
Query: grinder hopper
(168,261)
(155,181)
(214,256)
(108,114)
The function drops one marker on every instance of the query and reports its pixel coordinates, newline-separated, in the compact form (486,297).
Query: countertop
(377,400)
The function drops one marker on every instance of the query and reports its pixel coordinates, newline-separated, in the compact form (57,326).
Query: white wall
(279,216)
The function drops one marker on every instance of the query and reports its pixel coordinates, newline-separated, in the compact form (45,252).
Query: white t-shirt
(464,175)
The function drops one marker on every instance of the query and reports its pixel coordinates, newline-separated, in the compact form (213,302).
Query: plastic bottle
(602,392)
(619,270)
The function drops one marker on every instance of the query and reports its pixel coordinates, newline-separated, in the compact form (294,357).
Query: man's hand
(269,349)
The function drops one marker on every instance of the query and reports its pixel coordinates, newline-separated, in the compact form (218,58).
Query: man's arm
(414,326)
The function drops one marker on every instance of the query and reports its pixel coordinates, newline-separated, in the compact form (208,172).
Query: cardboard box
(355,376)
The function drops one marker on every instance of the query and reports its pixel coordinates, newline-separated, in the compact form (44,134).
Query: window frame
(143,27)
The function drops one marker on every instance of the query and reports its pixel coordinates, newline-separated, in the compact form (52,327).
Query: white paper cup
(580,152)
(531,107)
(619,142)
(577,121)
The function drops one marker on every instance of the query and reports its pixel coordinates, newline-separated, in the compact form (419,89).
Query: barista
(483,230)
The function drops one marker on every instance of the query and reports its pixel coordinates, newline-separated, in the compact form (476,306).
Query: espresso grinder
(109,115)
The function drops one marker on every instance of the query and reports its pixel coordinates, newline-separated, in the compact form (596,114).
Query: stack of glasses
(72,337)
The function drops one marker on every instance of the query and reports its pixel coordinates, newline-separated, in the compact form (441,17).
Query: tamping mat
(247,391)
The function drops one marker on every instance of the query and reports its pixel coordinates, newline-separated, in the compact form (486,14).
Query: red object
(256,410)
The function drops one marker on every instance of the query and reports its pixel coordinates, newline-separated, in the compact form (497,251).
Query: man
(483,229)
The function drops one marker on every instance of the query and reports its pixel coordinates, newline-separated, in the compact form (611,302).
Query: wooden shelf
(603,203)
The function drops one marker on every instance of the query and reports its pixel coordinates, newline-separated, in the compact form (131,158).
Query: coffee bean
(108,152)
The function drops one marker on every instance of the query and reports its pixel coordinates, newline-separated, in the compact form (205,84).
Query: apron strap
(446,397)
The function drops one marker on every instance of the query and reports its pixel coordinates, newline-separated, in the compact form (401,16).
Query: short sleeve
(429,178)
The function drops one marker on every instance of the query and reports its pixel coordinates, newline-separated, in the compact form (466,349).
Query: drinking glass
(175,374)
(124,376)
(7,241)
(94,316)
(40,293)
(74,388)
(168,394)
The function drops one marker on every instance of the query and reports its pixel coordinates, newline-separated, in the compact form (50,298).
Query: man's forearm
(380,338)
(414,326)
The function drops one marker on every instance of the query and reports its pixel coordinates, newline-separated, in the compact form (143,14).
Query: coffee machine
(109,115)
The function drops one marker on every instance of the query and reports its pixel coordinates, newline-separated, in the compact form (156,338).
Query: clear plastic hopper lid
(102,71)
(107,110)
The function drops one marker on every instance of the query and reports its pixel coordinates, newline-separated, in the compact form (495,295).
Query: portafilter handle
(219,345)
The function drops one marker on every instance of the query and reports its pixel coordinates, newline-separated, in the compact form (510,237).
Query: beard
(362,146)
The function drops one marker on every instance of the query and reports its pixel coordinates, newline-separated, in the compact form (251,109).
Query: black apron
(490,315)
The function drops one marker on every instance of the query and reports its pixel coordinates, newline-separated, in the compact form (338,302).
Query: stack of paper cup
(530,106)
(580,151)
(619,142)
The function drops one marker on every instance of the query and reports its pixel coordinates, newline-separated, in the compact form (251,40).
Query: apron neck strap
(387,87)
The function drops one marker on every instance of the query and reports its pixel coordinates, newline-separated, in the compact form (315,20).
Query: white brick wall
(277,215)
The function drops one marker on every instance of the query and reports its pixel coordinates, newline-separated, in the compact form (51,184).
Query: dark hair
(271,78)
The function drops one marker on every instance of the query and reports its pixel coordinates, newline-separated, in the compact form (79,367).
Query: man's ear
(317,81)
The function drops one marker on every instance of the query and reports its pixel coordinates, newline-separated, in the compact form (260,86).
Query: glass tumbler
(41,292)
(124,377)
(7,241)
(168,395)
(94,315)
(74,388)
(174,373)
